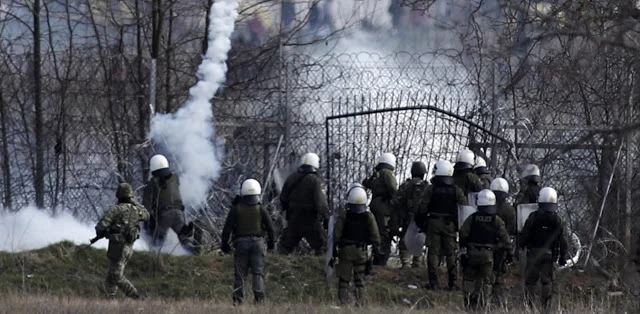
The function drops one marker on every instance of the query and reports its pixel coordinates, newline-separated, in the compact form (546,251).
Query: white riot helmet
(481,166)
(548,199)
(310,162)
(357,200)
(499,185)
(443,168)
(486,202)
(531,173)
(353,185)
(159,166)
(250,192)
(465,159)
(388,159)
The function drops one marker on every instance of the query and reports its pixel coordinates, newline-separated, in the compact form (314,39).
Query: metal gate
(412,128)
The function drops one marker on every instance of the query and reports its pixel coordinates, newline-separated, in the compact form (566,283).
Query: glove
(332,262)
(226,248)
(101,234)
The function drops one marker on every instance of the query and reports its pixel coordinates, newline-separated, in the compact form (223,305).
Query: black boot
(453,282)
(378,260)
(259,298)
(433,284)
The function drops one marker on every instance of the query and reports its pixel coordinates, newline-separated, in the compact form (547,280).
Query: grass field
(65,278)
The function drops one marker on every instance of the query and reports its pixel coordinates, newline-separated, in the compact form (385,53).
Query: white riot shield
(523,212)
(330,270)
(280,175)
(472,199)
(464,211)
(414,240)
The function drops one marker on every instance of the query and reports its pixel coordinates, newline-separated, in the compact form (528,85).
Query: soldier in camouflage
(354,229)
(120,225)
(383,186)
(305,204)
(480,236)
(438,216)
(481,170)
(405,204)
(248,222)
(544,237)
(162,197)
(500,187)
(463,174)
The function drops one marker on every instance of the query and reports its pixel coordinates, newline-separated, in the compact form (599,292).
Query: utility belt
(482,247)
(439,216)
(249,237)
(359,245)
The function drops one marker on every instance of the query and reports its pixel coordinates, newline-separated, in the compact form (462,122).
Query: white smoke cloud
(32,228)
(350,13)
(188,135)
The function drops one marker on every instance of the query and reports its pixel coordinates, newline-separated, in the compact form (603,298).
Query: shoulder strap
(297,183)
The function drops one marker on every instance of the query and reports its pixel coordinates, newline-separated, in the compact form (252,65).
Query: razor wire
(250,118)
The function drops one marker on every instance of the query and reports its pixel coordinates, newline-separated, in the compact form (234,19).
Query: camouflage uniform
(248,224)
(352,233)
(508,215)
(305,203)
(405,204)
(162,197)
(438,215)
(467,181)
(482,234)
(544,237)
(120,225)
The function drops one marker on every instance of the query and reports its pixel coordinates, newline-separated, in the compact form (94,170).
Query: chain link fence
(268,121)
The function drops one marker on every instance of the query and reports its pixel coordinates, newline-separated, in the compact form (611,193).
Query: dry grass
(51,304)
(64,278)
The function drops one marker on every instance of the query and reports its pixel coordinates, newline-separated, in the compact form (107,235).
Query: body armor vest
(443,200)
(531,194)
(168,190)
(248,220)
(356,228)
(483,229)
(544,231)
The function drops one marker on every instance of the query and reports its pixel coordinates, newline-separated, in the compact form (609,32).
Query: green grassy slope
(65,269)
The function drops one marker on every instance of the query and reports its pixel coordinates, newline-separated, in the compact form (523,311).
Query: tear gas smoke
(373,12)
(31,228)
(188,135)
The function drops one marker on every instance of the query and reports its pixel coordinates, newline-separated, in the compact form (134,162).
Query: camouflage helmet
(124,191)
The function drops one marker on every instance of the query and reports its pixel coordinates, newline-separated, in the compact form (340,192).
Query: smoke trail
(31,228)
(188,134)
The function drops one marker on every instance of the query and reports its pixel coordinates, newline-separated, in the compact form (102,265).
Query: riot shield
(280,175)
(471,198)
(464,211)
(523,212)
(414,239)
(330,270)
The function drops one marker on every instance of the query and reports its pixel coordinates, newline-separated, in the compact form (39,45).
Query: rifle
(94,240)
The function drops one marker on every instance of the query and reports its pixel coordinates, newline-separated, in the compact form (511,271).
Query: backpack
(414,196)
